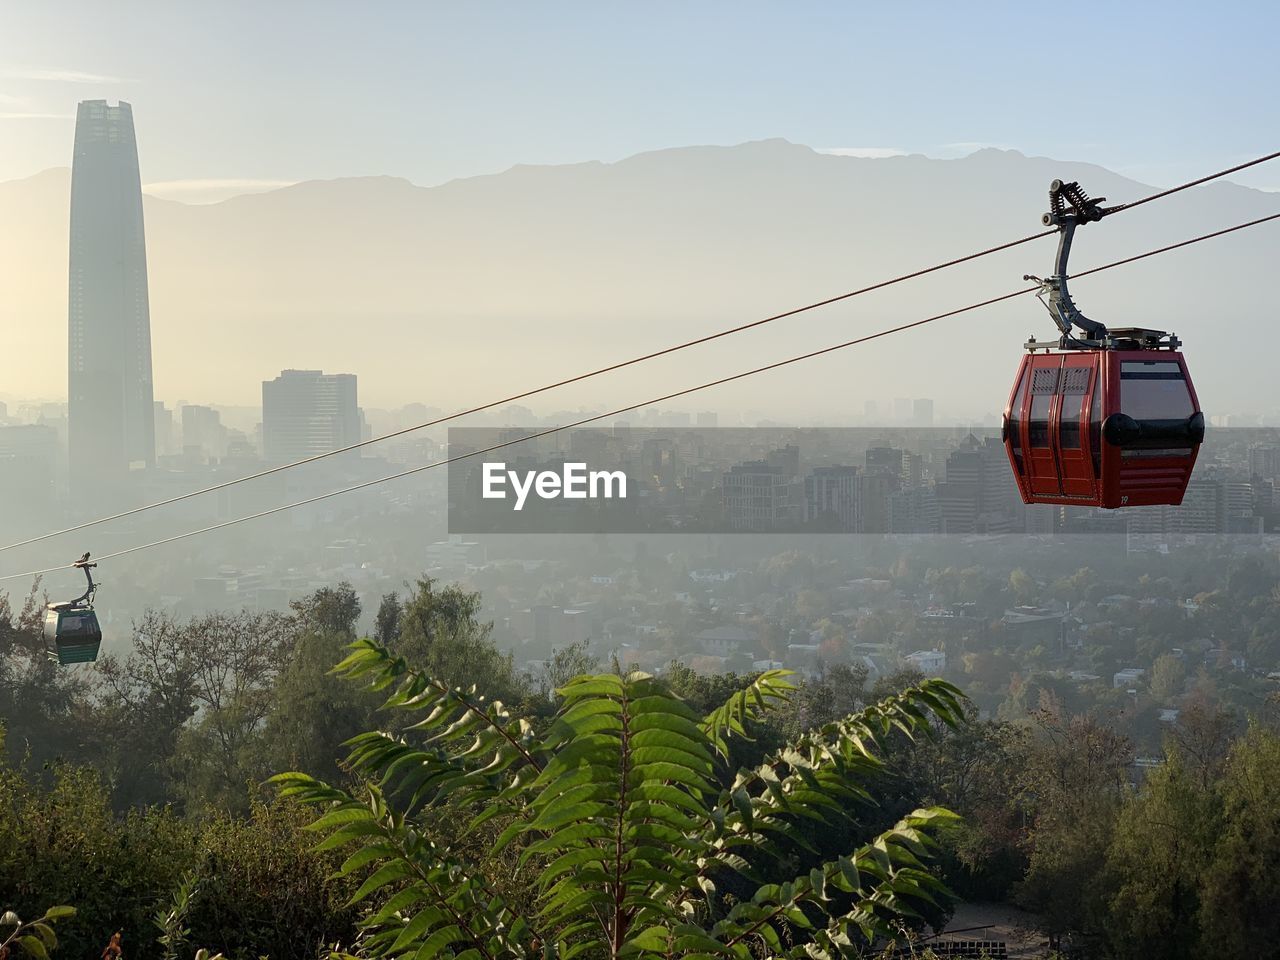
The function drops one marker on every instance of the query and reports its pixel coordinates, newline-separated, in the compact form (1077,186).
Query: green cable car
(72,627)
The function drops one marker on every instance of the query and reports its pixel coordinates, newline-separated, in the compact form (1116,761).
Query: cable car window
(1038,423)
(1044,384)
(1069,432)
(1074,385)
(1154,390)
(1015,422)
(1095,426)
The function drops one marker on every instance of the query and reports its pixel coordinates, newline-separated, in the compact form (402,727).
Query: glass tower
(111,425)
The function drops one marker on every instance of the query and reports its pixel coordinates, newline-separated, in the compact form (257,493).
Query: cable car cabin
(1104,428)
(1109,418)
(71,627)
(73,632)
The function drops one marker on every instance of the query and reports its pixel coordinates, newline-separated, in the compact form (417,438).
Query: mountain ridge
(545,269)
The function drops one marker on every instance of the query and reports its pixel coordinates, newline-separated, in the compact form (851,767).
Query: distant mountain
(450,294)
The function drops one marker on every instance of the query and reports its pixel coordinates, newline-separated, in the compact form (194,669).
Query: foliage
(192,698)
(703,691)
(1241,885)
(439,628)
(1190,868)
(1168,676)
(32,938)
(629,817)
(566,663)
(171,920)
(258,888)
(149,697)
(246,886)
(238,658)
(41,706)
(64,844)
(1202,738)
(199,708)
(387,622)
(840,692)
(1154,866)
(1074,771)
(312,712)
(971,772)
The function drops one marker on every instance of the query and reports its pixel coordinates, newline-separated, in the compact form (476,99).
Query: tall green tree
(1168,678)
(312,711)
(439,629)
(147,698)
(1072,781)
(1155,865)
(237,661)
(1242,885)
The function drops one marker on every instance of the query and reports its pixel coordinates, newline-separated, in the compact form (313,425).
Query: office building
(758,495)
(306,412)
(831,499)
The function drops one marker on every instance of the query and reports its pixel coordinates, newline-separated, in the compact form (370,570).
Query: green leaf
(414,929)
(388,873)
(363,857)
(46,934)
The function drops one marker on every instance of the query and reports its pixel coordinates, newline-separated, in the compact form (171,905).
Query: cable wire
(635,406)
(1194,183)
(902,278)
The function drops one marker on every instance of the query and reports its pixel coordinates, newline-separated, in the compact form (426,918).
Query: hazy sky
(233,95)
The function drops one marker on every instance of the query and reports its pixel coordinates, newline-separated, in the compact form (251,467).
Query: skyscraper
(111,428)
(305,412)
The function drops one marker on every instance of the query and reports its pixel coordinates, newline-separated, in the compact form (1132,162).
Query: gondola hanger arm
(1069,207)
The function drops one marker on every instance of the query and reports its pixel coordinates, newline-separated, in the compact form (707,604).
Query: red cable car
(1109,419)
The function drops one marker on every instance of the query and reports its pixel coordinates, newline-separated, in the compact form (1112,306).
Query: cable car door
(1038,416)
(1070,426)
